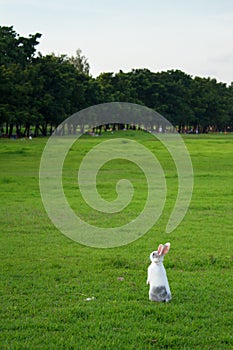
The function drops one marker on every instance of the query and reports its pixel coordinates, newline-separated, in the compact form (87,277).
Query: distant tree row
(38,92)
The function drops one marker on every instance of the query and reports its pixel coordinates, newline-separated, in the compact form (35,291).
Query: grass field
(46,277)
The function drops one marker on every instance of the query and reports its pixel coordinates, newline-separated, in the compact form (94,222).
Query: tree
(105,81)
(16,49)
(174,97)
(146,87)
(230,106)
(57,77)
(80,62)
(209,103)
(16,55)
(41,91)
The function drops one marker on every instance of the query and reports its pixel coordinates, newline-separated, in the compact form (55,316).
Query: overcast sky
(193,36)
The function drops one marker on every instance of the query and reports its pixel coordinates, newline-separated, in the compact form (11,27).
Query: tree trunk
(26,130)
(7,128)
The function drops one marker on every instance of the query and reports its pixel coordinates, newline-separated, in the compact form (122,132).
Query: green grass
(46,277)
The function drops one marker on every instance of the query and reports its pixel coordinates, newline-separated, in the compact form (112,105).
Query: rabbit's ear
(160,249)
(166,248)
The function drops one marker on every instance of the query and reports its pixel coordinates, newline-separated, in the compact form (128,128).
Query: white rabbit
(157,277)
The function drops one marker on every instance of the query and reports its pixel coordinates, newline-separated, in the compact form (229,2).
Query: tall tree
(15,48)
(80,62)
(209,103)
(16,55)
(57,84)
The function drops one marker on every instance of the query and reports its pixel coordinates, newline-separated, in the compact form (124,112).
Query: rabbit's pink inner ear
(166,248)
(160,249)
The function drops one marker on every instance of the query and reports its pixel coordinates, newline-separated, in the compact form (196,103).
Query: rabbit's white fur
(157,277)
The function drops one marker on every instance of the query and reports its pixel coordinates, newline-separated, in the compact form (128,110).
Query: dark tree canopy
(38,92)
(15,48)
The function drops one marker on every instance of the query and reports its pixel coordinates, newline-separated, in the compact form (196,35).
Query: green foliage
(16,49)
(46,278)
(39,92)
(80,62)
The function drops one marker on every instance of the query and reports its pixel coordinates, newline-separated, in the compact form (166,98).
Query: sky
(193,36)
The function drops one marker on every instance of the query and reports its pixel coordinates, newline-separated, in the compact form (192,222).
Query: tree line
(38,92)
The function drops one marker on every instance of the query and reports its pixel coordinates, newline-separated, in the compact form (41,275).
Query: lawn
(59,294)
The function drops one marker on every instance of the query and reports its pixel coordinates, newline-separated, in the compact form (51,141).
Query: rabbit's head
(158,255)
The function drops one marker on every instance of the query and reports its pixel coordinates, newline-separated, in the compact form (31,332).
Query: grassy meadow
(58,294)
